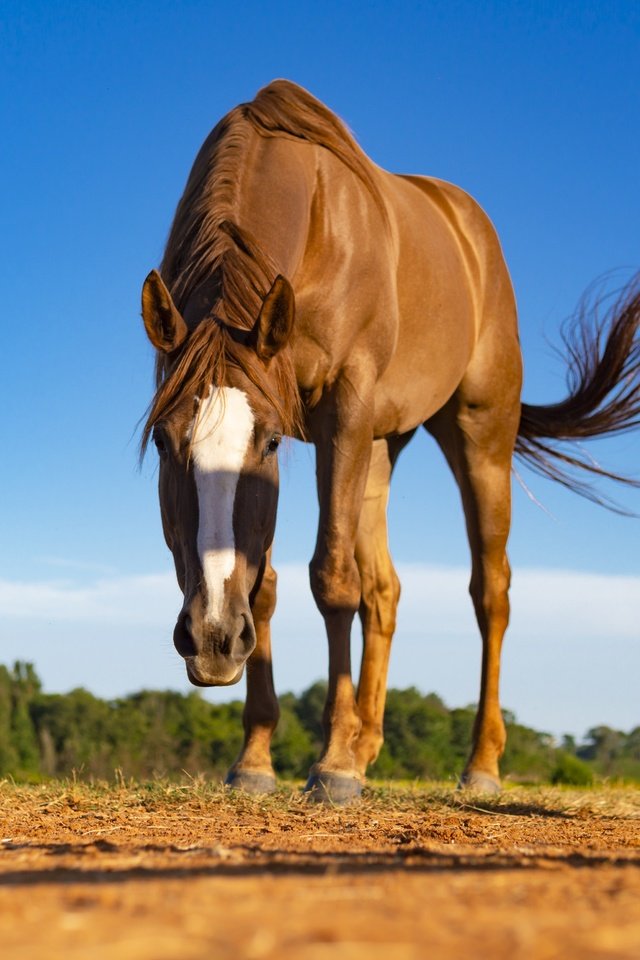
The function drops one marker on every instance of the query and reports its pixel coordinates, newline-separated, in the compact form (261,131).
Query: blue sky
(531,108)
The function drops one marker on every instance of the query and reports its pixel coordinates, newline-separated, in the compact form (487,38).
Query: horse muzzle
(208,672)
(214,653)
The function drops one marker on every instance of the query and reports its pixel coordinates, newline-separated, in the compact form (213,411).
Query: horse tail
(603,353)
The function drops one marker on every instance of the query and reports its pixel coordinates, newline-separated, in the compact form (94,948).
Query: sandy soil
(163,872)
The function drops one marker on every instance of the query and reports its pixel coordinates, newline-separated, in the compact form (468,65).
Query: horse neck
(278,181)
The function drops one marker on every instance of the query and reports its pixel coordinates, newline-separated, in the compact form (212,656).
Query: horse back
(452,288)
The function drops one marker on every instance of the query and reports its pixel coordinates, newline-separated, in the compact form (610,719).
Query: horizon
(510,715)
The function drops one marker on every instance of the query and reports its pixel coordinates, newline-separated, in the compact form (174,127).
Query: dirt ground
(162,872)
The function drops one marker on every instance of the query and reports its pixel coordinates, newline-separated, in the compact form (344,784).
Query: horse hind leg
(380,594)
(477,440)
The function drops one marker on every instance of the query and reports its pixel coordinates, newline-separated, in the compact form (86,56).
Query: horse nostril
(182,637)
(246,640)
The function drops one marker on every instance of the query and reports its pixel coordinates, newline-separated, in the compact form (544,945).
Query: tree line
(166,734)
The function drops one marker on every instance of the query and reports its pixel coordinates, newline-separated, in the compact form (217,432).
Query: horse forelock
(209,352)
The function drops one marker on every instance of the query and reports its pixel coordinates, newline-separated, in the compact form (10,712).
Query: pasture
(158,870)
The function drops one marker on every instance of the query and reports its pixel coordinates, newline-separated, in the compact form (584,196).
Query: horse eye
(274,443)
(160,442)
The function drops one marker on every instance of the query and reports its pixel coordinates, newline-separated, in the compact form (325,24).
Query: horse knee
(335,584)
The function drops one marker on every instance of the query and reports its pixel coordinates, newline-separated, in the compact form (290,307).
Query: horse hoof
(479,783)
(248,782)
(332,788)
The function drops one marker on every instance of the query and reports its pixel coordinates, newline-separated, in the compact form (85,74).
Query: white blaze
(220,438)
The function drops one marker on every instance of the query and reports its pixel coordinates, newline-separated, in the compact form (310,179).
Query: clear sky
(531,107)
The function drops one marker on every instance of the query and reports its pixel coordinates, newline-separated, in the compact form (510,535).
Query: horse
(306,292)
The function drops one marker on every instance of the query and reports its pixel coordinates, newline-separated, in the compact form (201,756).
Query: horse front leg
(342,433)
(253,770)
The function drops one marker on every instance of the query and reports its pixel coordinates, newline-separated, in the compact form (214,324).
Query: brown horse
(304,291)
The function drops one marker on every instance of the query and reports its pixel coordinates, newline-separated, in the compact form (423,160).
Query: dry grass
(603,801)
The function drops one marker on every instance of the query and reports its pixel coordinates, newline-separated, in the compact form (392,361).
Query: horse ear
(163,322)
(273,326)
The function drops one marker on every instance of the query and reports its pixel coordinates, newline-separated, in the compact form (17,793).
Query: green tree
(8,757)
(603,747)
(76,727)
(417,731)
(293,747)
(25,687)
(462,721)
(166,733)
(571,771)
(309,708)
(529,755)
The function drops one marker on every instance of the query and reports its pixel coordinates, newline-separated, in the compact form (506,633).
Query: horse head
(217,421)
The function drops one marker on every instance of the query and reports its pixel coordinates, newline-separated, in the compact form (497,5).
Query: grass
(602,801)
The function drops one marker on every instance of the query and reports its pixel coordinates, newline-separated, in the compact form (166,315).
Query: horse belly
(414,388)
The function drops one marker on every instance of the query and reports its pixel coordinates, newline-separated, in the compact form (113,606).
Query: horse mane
(197,249)
(285,109)
(206,244)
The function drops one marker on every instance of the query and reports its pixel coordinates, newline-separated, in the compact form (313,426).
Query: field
(161,872)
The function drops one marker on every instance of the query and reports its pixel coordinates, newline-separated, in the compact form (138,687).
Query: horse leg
(253,770)
(380,594)
(342,433)
(477,440)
